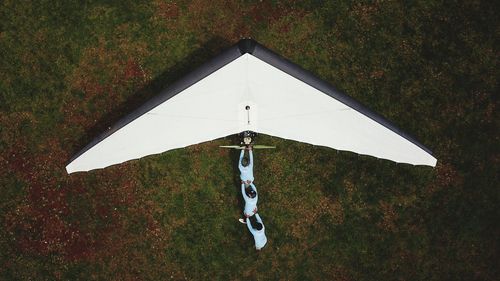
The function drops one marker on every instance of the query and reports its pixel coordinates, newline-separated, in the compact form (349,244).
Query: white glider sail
(248,87)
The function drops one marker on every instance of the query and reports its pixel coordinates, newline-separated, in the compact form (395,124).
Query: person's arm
(241,157)
(259,219)
(249,225)
(251,158)
(254,187)
(243,193)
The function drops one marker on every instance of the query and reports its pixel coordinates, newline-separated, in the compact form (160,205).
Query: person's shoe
(242,221)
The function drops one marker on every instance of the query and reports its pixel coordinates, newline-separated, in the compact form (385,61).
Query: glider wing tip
(71,169)
(431,163)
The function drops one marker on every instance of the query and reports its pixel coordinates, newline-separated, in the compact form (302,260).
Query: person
(246,166)
(256,227)
(249,193)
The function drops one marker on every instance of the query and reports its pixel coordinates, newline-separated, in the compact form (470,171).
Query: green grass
(69,69)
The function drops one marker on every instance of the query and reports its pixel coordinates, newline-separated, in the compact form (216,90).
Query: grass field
(69,69)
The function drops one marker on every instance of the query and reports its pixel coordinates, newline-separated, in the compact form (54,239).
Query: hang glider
(249,87)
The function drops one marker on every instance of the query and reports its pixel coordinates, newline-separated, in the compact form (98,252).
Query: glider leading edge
(250,88)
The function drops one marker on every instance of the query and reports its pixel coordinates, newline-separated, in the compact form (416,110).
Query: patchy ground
(70,70)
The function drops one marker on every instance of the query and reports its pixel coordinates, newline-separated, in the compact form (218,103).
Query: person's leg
(244,219)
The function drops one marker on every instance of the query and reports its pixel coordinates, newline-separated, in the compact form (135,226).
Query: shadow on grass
(192,61)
